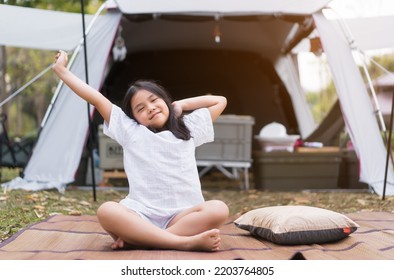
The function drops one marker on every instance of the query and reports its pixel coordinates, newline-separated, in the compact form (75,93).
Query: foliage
(57,5)
(386,61)
(322,101)
(26,111)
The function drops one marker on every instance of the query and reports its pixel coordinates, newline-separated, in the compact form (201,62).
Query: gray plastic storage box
(233,140)
(111,153)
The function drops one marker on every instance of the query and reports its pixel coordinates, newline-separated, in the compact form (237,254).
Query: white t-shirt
(161,169)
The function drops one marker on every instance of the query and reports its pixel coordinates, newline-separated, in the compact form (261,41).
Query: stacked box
(111,153)
(233,140)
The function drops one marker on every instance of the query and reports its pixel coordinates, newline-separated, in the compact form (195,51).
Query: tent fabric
(50,30)
(369,33)
(58,151)
(234,7)
(363,31)
(356,107)
(329,128)
(288,73)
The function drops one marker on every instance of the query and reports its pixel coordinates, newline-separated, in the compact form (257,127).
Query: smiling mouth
(154,115)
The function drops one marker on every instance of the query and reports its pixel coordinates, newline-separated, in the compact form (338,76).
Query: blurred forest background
(18,66)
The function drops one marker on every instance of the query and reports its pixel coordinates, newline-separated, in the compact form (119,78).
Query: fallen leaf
(362,202)
(75,213)
(245,209)
(54,213)
(39,215)
(33,197)
(301,200)
(85,203)
(65,199)
(39,207)
(253,196)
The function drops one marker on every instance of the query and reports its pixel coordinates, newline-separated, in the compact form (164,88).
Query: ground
(19,208)
(340,200)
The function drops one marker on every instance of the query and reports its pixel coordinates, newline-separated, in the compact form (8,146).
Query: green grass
(19,208)
(8,174)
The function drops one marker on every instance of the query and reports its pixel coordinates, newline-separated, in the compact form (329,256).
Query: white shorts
(157,220)
(161,222)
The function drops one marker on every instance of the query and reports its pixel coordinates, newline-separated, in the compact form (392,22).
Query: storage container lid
(236,119)
(273,129)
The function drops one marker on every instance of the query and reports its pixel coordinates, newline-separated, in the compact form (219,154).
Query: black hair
(174,124)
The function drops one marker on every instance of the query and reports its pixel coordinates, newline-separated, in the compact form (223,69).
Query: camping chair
(13,154)
(7,156)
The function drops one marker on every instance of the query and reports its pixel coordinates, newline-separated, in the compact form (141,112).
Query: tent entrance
(249,82)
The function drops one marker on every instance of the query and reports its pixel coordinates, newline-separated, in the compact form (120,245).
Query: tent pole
(70,62)
(388,147)
(375,99)
(352,44)
(90,145)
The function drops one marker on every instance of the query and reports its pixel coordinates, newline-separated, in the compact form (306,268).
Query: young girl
(165,208)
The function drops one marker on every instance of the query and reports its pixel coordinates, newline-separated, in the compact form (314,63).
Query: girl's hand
(177,108)
(61,59)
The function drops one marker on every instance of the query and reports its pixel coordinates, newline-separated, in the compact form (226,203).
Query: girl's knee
(218,209)
(106,209)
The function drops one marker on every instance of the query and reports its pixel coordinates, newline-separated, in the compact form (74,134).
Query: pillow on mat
(296,225)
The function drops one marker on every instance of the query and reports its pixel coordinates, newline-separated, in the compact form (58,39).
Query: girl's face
(149,109)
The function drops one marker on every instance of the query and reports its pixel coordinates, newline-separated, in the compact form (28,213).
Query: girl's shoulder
(120,126)
(198,115)
(120,116)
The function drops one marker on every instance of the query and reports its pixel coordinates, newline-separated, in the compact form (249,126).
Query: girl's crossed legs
(193,229)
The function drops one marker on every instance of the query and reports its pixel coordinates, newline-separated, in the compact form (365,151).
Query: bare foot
(206,241)
(118,244)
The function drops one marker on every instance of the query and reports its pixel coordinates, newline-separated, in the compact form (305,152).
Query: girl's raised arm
(215,104)
(94,97)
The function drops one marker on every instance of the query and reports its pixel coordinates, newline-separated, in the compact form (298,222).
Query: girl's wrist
(58,69)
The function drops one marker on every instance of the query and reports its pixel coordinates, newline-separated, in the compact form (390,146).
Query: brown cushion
(296,225)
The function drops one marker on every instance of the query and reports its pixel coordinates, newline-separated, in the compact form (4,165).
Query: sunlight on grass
(8,174)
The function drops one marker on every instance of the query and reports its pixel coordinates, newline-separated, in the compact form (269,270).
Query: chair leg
(246,176)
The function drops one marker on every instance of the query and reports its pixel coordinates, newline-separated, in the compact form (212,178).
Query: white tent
(264,31)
